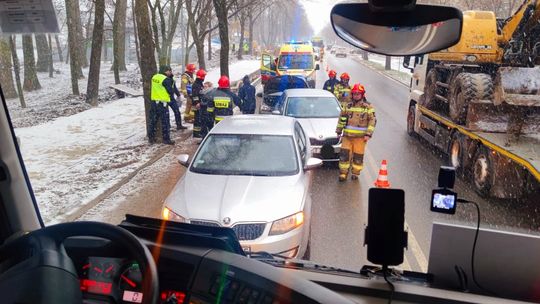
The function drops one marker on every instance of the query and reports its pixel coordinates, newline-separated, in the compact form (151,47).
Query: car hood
(319,128)
(240,198)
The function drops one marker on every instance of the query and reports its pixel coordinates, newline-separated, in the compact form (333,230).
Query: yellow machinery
(494,61)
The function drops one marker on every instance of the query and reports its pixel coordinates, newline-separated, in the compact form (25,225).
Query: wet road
(340,209)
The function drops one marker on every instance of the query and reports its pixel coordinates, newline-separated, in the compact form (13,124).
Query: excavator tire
(430,89)
(465,88)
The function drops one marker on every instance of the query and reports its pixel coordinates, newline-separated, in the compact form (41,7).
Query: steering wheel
(44,268)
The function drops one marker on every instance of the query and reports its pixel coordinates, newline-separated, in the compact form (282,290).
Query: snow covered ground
(237,71)
(72,160)
(397,62)
(54,99)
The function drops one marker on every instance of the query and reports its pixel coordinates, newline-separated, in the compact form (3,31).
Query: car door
(301,143)
(267,68)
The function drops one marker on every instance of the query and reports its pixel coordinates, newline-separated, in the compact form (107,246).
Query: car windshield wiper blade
(283,261)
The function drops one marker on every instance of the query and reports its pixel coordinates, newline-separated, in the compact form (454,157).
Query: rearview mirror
(312,163)
(183,159)
(259,95)
(421,30)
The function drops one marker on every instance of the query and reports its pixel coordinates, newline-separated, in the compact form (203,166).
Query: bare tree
(31,81)
(166,28)
(119,39)
(198,20)
(221,13)
(42,48)
(59,48)
(6,77)
(82,46)
(92,90)
(73,47)
(51,67)
(17,70)
(147,63)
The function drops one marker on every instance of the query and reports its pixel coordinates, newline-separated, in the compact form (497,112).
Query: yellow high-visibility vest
(158,91)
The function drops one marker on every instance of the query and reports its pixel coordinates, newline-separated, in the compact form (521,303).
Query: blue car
(273,89)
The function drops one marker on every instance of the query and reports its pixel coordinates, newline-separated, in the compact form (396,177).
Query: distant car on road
(250,174)
(273,89)
(341,52)
(318,112)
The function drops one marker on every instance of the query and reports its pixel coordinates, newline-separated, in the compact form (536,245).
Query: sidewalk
(397,73)
(73,160)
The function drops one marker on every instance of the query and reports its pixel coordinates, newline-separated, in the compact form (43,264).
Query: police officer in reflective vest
(356,123)
(343,90)
(221,102)
(162,91)
(199,108)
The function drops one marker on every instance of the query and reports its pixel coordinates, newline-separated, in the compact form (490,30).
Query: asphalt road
(340,209)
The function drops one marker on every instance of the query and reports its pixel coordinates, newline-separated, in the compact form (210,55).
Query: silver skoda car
(251,174)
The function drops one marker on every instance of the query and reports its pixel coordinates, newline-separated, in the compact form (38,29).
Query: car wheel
(307,253)
(455,153)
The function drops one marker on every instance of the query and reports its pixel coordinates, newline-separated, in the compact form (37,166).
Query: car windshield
(312,107)
(295,62)
(243,154)
(110,108)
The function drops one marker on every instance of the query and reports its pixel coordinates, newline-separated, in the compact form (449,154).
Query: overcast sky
(318,12)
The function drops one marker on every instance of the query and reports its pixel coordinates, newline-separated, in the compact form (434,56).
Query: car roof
(307,93)
(255,124)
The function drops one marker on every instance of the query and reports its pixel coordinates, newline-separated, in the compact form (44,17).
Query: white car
(250,174)
(318,113)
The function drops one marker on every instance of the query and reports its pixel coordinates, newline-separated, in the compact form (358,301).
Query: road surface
(340,209)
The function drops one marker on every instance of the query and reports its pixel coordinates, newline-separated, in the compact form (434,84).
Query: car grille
(205,223)
(247,232)
(244,232)
(329,141)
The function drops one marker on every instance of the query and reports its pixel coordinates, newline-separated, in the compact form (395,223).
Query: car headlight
(169,215)
(287,224)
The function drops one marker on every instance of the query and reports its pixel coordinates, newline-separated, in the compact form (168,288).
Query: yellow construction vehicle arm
(530,10)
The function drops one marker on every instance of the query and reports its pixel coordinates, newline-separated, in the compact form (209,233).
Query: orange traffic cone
(382,180)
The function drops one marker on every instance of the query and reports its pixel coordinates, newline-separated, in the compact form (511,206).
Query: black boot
(168,142)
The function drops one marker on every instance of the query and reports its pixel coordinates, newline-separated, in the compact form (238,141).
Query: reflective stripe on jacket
(357,119)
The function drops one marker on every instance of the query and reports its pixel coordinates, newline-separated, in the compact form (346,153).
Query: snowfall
(75,153)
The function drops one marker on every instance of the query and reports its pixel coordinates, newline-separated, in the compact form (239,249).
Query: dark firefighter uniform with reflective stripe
(343,94)
(221,103)
(330,85)
(356,121)
(199,125)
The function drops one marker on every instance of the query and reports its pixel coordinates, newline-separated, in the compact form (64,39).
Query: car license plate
(316,150)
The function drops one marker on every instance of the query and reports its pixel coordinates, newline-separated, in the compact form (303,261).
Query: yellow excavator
(495,64)
(479,101)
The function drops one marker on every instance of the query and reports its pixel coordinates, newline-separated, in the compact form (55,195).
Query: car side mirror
(259,94)
(183,159)
(313,163)
(276,112)
(317,67)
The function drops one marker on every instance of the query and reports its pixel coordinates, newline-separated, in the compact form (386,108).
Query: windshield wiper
(286,262)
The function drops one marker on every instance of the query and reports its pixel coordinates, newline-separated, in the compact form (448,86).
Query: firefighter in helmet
(343,90)
(185,88)
(221,102)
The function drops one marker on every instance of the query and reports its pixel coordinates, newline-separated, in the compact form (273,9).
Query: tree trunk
(221,13)
(92,90)
(81,47)
(250,41)
(187,49)
(59,48)
(388,63)
(209,39)
(31,81)
(73,46)
(135,34)
(17,70)
(365,55)
(199,47)
(6,77)
(51,67)
(42,47)
(148,63)
(241,43)
(119,36)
